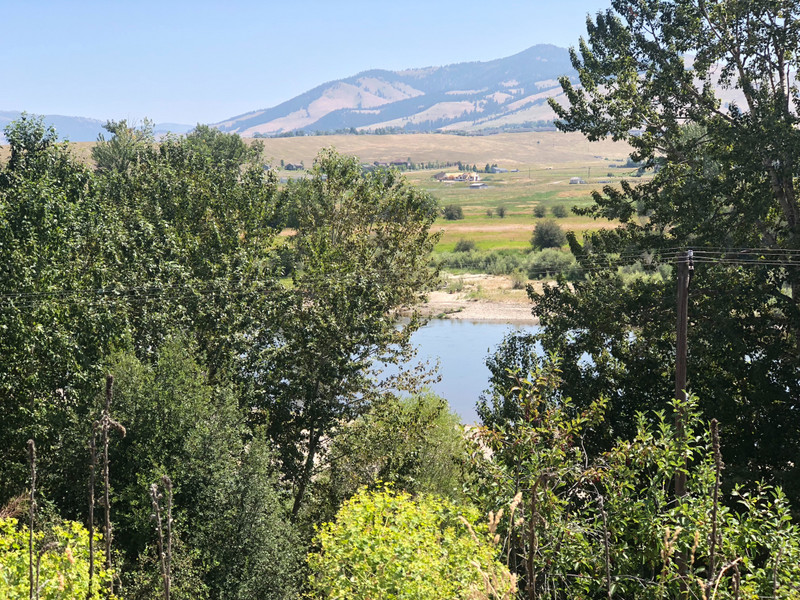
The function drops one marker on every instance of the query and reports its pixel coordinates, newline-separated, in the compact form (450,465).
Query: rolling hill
(470,97)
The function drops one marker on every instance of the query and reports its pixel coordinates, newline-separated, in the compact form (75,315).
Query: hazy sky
(200,61)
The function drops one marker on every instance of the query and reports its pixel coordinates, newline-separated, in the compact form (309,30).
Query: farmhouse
(293,167)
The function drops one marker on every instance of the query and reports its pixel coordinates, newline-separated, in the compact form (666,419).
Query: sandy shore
(480,298)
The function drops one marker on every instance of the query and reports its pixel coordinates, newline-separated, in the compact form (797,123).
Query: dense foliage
(163,265)
(61,562)
(610,525)
(706,94)
(388,545)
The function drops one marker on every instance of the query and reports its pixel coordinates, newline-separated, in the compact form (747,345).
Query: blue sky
(199,61)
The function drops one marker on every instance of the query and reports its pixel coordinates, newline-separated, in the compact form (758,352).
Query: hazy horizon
(203,62)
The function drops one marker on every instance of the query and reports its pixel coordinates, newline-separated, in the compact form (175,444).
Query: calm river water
(462,348)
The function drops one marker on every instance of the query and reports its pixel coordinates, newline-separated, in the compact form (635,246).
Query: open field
(544,163)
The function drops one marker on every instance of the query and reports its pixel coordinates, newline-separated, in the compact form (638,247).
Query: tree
(414,444)
(465,245)
(92,261)
(539,211)
(386,544)
(548,234)
(124,147)
(361,251)
(658,75)
(559,211)
(453,212)
(231,516)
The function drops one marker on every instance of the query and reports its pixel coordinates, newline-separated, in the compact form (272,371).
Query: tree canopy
(706,94)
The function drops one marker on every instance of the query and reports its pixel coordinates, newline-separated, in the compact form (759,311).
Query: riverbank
(489,298)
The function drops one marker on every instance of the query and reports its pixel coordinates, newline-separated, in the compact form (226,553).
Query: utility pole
(685,270)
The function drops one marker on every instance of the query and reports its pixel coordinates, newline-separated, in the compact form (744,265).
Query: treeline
(236,353)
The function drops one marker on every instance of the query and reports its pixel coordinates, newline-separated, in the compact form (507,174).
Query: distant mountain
(472,96)
(82,129)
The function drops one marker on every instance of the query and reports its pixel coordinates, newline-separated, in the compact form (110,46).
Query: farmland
(539,164)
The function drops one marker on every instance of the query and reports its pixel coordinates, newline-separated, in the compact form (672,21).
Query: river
(461,348)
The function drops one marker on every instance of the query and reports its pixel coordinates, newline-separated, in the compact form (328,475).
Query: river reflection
(462,348)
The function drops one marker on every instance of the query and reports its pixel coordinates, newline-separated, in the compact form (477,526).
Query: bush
(517,280)
(550,262)
(453,212)
(388,545)
(463,245)
(548,234)
(501,211)
(539,211)
(559,211)
(63,558)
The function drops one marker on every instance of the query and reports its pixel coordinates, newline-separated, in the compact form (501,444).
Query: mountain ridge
(460,96)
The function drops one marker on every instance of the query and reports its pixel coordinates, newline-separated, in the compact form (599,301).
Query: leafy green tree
(464,245)
(548,234)
(362,251)
(230,514)
(415,444)
(704,94)
(50,239)
(539,211)
(127,142)
(559,211)
(453,212)
(223,149)
(386,544)
(92,261)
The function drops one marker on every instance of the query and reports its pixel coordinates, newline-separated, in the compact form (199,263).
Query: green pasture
(518,193)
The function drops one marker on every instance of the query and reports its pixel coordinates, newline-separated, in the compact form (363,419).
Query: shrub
(453,212)
(559,211)
(501,211)
(63,559)
(517,280)
(387,545)
(539,211)
(548,234)
(550,262)
(463,245)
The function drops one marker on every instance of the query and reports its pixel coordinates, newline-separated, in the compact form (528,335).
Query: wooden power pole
(685,270)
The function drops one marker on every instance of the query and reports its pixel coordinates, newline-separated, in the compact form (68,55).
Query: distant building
(499,170)
(461,176)
(477,186)
(574,180)
(440,176)
(293,167)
